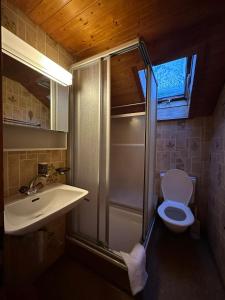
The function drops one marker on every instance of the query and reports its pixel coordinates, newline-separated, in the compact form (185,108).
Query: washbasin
(24,214)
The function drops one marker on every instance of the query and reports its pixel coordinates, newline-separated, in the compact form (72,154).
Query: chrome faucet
(35,186)
(43,171)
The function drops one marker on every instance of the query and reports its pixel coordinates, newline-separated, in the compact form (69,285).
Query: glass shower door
(127,152)
(85,147)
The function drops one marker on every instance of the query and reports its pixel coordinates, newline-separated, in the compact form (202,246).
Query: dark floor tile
(68,280)
(181,268)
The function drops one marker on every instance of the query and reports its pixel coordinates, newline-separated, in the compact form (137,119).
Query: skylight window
(171,78)
(175,81)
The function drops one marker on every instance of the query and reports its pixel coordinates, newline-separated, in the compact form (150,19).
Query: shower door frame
(150,142)
(104,142)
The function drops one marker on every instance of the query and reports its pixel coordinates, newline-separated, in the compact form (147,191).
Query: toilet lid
(177,186)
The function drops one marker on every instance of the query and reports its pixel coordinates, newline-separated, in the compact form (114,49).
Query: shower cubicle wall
(127,157)
(112,156)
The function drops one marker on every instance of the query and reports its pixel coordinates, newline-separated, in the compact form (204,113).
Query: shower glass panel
(86,141)
(127,152)
(112,131)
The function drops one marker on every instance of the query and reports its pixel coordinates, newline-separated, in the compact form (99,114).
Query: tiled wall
(21,167)
(184,144)
(20,104)
(14,20)
(216,175)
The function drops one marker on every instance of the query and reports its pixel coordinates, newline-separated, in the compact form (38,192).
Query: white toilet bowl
(177,189)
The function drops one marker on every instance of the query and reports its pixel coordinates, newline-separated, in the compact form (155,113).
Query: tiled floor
(68,280)
(179,268)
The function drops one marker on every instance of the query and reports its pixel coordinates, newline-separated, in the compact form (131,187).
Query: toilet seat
(188,218)
(177,186)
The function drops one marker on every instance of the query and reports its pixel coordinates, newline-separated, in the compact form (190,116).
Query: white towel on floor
(136,262)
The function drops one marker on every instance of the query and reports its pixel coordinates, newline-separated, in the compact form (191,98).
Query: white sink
(26,214)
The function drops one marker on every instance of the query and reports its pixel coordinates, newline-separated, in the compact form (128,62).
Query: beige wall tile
(13,170)
(52,49)
(21,167)
(31,35)
(32,155)
(64,153)
(56,156)
(23,155)
(21,29)
(215,136)
(9,19)
(28,170)
(41,41)
(44,157)
(5,170)
(64,58)
(13,191)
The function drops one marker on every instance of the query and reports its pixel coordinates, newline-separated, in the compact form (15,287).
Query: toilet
(177,190)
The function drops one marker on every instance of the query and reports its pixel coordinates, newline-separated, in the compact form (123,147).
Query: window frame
(175,107)
(190,70)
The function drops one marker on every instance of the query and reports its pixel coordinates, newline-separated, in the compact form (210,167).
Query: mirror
(31,98)
(35,88)
(26,95)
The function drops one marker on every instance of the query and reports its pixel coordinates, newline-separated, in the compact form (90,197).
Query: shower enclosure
(112,148)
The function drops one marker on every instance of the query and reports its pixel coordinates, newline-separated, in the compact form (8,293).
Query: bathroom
(106,106)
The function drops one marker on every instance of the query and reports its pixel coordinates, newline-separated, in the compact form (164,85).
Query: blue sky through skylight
(170,77)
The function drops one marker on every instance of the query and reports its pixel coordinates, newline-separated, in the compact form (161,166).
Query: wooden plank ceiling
(171,29)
